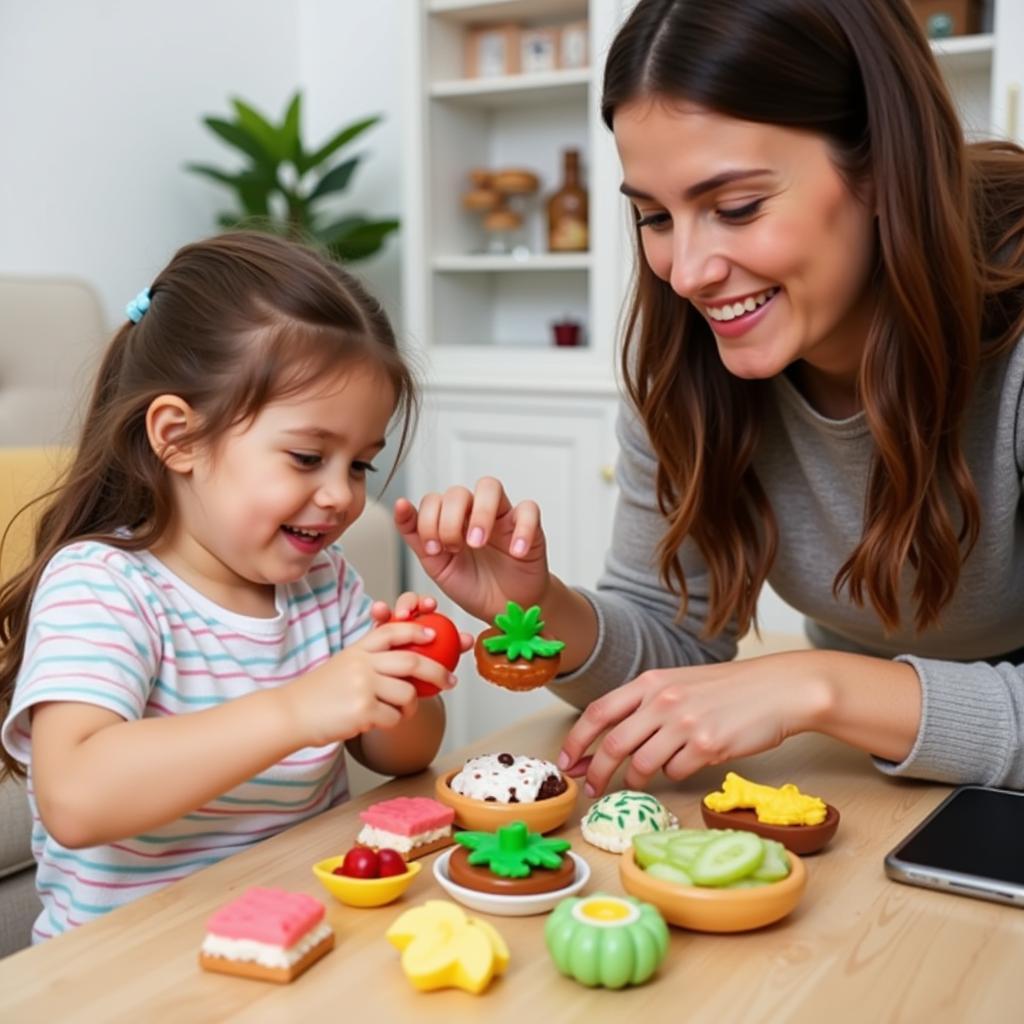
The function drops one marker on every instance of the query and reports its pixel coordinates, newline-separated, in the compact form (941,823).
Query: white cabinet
(558,451)
(986,74)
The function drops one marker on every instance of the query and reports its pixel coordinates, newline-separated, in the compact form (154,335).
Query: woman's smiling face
(754,225)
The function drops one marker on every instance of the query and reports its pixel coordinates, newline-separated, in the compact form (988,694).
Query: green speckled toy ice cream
(611,823)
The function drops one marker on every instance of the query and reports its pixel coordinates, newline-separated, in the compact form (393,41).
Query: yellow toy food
(783,806)
(443,948)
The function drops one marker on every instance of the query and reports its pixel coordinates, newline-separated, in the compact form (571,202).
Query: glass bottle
(567,209)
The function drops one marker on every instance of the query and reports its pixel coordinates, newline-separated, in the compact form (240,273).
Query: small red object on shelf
(567,333)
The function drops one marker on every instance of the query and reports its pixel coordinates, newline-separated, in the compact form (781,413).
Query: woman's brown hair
(948,280)
(234,322)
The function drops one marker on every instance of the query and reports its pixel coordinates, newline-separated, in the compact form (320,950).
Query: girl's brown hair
(234,322)
(949,281)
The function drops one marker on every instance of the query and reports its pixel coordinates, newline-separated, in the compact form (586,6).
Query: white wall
(100,106)
(349,58)
(349,53)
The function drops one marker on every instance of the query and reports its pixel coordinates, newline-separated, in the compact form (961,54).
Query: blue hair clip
(136,309)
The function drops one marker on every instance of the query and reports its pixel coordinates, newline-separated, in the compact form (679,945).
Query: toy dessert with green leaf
(512,861)
(513,653)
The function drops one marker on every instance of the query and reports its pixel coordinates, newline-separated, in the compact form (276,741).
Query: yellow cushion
(25,473)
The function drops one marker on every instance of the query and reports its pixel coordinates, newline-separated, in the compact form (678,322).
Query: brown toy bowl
(480,878)
(799,839)
(518,675)
(706,909)
(487,816)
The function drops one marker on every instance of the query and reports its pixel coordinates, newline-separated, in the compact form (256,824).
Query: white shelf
(473,263)
(528,369)
(515,90)
(964,53)
(482,12)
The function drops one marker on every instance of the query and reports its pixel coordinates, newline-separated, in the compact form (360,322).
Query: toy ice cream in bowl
(496,789)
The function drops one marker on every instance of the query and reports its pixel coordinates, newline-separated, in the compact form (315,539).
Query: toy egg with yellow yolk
(607,941)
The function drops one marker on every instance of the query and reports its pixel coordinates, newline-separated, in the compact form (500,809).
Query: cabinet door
(557,451)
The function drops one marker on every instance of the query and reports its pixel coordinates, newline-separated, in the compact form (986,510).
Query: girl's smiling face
(755,226)
(255,509)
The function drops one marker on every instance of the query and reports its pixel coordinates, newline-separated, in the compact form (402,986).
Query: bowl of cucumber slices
(713,880)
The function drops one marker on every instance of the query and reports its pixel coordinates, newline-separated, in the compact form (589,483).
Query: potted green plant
(288,187)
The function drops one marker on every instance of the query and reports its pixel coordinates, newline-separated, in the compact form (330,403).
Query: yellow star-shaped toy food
(443,948)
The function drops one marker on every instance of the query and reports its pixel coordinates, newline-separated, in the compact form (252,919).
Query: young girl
(825,376)
(189,650)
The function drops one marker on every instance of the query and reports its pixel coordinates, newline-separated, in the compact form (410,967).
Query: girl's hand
(407,607)
(679,720)
(477,547)
(364,687)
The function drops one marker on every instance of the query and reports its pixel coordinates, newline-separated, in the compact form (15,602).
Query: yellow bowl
(489,816)
(363,892)
(706,909)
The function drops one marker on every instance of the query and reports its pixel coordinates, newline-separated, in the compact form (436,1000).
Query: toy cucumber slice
(651,847)
(775,865)
(668,873)
(684,848)
(727,859)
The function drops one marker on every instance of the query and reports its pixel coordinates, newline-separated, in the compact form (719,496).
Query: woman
(824,383)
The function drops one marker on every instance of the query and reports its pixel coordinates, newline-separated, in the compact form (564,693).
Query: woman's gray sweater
(815,471)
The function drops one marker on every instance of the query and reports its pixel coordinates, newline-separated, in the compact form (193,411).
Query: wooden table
(858,948)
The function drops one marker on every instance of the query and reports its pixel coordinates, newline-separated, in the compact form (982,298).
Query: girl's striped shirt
(118,629)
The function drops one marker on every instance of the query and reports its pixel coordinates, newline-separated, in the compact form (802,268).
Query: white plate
(509,906)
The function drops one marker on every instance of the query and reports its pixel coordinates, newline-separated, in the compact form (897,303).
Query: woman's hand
(679,720)
(477,547)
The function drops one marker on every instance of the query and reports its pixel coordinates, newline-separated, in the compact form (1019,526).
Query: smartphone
(972,844)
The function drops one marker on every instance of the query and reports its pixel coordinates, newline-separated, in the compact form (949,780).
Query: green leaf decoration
(520,635)
(513,851)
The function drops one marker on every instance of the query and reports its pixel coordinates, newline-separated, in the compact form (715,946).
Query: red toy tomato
(391,862)
(360,862)
(444,648)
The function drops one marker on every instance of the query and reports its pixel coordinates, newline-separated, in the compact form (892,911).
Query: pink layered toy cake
(412,825)
(270,934)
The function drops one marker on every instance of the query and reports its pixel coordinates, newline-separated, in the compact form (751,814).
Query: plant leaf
(213,172)
(252,187)
(252,121)
(290,132)
(254,194)
(340,229)
(335,180)
(235,135)
(331,147)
